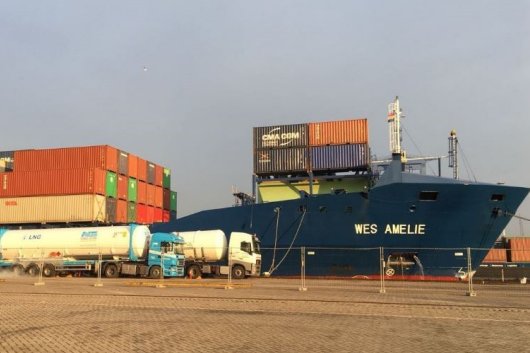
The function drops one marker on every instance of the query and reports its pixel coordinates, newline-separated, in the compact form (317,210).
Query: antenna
(394,126)
(453,153)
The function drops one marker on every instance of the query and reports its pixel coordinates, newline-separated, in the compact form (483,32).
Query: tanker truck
(206,252)
(119,250)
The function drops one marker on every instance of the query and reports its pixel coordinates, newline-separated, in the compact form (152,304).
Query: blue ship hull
(343,234)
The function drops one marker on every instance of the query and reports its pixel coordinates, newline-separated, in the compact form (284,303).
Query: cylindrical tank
(82,243)
(209,245)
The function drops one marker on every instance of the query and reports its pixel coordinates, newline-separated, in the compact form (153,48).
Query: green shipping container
(111,185)
(132,192)
(131,212)
(173,204)
(166,182)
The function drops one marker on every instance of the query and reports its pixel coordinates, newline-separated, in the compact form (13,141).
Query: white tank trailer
(129,250)
(209,252)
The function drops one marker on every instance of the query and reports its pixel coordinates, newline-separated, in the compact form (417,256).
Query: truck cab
(166,247)
(244,254)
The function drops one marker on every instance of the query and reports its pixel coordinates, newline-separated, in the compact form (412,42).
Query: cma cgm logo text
(274,137)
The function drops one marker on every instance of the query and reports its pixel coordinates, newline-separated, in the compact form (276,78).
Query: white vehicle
(208,252)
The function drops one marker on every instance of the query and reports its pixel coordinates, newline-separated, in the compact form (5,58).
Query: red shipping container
(158,215)
(103,157)
(150,214)
(159,197)
(165,216)
(142,169)
(141,214)
(150,195)
(520,249)
(338,132)
(495,255)
(123,187)
(159,175)
(167,199)
(141,197)
(133,165)
(121,211)
(53,182)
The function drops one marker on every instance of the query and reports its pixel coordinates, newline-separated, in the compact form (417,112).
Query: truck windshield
(179,249)
(256,245)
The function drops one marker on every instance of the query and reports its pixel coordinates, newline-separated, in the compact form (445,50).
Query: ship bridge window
(428,195)
(497,197)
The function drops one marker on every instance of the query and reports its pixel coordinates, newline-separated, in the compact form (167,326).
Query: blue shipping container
(339,157)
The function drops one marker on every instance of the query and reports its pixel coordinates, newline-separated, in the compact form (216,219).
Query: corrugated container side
(132,193)
(280,136)
(167,178)
(110,210)
(103,157)
(123,187)
(141,213)
(158,215)
(520,249)
(282,161)
(166,199)
(150,195)
(133,166)
(159,175)
(53,209)
(142,193)
(159,197)
(121,211)
(123,163)
(142,169)
(338,132)
(151,172)
(165,216)
(131,212)
(173,201)
(111,187)
(150,214)
(496,255)
(339,157)
(52,182)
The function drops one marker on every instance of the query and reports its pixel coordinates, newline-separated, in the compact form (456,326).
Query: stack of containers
(519,249)
(93,184)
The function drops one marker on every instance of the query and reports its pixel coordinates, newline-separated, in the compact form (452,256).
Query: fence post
(303,287)
(41,266)
(99,262)
(470,292)
(382,269)
(229,284)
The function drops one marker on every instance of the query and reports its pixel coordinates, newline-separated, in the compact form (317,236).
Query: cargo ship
(315,191)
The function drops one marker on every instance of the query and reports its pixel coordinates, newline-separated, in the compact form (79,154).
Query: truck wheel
(17,269)
(48,270)
(33,270)
(155,272)
(238,272)
(111,271)
(193,271)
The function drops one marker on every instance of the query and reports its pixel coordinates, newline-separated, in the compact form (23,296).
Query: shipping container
(280,161)
(110,210)
(280,136)
(166,216)
(121,211)
(150,214)
(133,166)
(158,215)
(166,199)
(142,193)
(142,169)
(102,157)
(338,132)
(131,212)
(132,193)
(53,209)
(159,197)
(123,163)
(150,195)
(159,175)
(53,182)
(151,173)
(111,187)
(141,214)
(339,157)
(173,201)
(123,187)
(520,249)
(496,255)
(167,178)
(172,215)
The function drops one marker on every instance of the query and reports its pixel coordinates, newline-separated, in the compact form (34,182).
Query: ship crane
(394,126)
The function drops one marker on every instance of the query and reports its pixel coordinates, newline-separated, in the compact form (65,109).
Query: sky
(182,83)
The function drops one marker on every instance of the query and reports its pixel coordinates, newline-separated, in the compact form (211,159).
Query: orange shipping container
(142,169)
(165,216)
(520,249)
(159,197)
(159,175)
(496,255)
(142,193)
(53,182)
(103,157)
(133,165)
(121,211)
(338,132)
(123,187)
(150,195)
(150,214)
(158,215)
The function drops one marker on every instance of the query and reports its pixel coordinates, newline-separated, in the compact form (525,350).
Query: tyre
(193,271)
(33,270)
(238,272)
(48,270)
(155,272)
(111,271)
(17,269)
